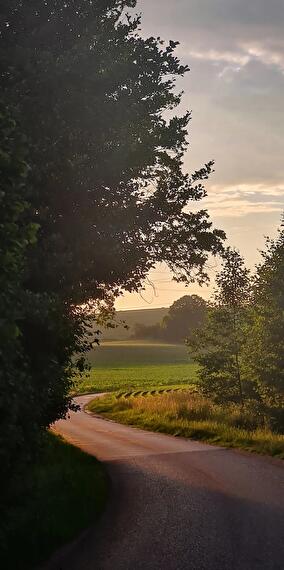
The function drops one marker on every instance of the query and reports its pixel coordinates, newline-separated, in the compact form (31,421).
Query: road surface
(176,504)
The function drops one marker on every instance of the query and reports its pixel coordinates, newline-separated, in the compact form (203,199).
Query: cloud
(216,56)
(242,55)
(235,49)
(266,55)
(242,199)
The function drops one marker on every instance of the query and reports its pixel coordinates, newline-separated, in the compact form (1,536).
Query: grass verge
(63,494)
(186,415)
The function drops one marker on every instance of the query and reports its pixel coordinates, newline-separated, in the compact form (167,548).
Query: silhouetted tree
(106,187)
(16,235)
(186,314)
(143,332)
(38,334)
(107,184)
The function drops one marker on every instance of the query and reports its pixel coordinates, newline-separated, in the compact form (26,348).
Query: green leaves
(218,347)
(265,355)
(241,348)
(93,191)
(91,95)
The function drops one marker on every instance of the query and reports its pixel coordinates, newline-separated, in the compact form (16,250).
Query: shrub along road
(177,504)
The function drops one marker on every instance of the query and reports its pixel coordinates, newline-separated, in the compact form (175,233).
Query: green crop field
(137,353)
(126,366)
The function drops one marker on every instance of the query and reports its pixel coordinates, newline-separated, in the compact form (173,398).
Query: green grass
(63,494)
(130,378)
(126,366)
(187,415)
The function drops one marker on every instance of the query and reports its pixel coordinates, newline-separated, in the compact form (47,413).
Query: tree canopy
(107,182)
(185,315)
(39,335)
(265,350)
(104,194)
(218,346)
(240,349)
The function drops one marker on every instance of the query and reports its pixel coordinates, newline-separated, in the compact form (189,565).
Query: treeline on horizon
(186,314)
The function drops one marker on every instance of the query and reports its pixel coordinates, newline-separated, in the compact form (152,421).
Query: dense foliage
(186,314)
(218,346)
(39,334)
(241,347)
(104,198)
(264,356)
(108,188)
(16,234)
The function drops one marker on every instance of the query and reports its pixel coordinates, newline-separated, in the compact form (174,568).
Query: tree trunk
(239,380)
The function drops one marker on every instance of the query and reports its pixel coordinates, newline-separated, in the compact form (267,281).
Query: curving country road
(176,504)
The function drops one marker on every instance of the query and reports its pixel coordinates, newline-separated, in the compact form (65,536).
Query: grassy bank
(126,366)
(61,495)
(189,415)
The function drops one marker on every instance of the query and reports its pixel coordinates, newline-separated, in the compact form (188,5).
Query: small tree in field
(218,346)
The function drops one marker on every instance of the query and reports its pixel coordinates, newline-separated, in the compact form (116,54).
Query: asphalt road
(177,504)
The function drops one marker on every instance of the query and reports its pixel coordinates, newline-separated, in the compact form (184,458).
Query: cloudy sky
(235,89)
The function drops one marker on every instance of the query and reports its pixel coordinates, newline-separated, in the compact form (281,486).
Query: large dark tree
(106,186)
(38,333)
(16,234)
(107,183)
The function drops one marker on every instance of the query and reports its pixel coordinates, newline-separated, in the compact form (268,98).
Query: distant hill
(146,317)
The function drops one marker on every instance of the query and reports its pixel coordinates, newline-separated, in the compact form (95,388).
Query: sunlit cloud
(235,50)
(240,200)
(221,56)
(268,56)
(242,55)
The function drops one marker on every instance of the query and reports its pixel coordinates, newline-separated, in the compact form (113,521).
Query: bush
(63,493)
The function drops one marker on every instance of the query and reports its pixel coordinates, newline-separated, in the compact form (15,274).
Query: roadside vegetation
(187,414)
(63,493)
(238,350)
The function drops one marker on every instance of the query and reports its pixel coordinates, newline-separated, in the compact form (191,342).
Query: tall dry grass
(190,406)
(190,415)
